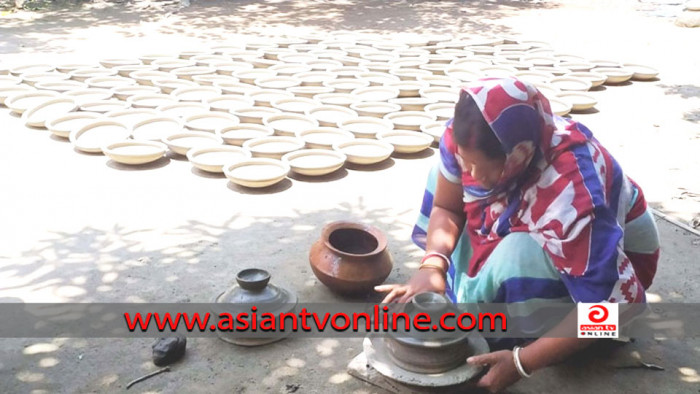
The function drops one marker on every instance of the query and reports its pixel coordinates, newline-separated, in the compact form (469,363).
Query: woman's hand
(427,279)
(502,372)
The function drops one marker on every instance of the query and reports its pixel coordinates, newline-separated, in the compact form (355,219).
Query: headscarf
(559,185)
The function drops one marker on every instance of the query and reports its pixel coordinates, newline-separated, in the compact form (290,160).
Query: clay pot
(426,352)
(350,258)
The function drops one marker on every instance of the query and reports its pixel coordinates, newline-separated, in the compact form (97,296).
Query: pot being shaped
(350,258)
(427,352)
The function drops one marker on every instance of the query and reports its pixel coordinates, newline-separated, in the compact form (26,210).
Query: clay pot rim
(329,228)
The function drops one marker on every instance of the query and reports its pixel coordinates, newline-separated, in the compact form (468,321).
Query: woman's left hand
(502,372)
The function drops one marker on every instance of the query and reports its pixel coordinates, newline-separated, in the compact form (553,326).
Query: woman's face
(485,170)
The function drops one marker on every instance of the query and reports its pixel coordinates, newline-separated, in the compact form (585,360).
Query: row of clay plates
(306,104)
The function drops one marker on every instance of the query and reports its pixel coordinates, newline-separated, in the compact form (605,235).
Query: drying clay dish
(571,84)
(93,136)
(103,106)
(641,72)
(23,100)
(330,115)
(183,110)
(89,94)
(257,173)
(559,106)
(376,109)
(214,158)
(197,94)
(406,141)
(255,114)
(614,74)
(156,128)
(410,120)
(63,125)
(434,129)
(366,126)
(365,151)
(237,135)
(135,152)
(324,137)
(180,143)
(289,124)
(314,162)
(36,116)
(150,100)
(273,147)
(579,101)
(210,121)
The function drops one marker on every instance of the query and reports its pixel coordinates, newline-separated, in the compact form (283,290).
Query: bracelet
(435,254)
(433,266)
(518,364)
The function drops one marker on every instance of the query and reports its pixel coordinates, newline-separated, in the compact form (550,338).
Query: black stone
(168,350)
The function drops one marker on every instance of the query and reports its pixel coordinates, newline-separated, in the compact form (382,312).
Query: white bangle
(518,364)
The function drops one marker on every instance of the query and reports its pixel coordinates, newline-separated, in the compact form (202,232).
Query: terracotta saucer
(237,88)
(257,172)
(189,72)
(346,85)
(277,82)
(315,78)
(441,94)
(615,75)
(596,79)
(443,111)
(228,102)
(83,74)
(109,82)
(309,91)
(135,152)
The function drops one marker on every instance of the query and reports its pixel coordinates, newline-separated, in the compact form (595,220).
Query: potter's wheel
(378,358)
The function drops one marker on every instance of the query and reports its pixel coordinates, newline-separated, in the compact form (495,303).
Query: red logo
(599,314)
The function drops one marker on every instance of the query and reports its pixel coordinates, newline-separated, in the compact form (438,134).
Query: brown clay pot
(350,258)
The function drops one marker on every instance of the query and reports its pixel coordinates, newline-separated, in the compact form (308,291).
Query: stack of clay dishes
(314,162)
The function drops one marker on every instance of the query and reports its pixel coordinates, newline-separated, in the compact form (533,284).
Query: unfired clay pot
(350,258)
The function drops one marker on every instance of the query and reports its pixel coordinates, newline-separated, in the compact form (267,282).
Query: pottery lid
(253,288)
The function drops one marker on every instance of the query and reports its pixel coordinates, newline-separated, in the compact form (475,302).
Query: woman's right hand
(426,279)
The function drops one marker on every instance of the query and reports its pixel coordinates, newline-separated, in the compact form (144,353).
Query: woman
(528,206)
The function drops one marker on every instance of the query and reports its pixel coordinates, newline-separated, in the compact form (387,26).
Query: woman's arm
(444,228)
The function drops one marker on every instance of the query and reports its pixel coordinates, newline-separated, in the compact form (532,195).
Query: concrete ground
(79,228)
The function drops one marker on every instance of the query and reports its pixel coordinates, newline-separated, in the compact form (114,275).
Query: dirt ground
(79,228)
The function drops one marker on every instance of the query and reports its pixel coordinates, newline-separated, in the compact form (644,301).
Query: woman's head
(479,150)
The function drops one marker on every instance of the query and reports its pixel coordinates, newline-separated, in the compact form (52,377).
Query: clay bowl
(405,141)
(309,91)
(115,62)
(330,115)
(124,92)
(237,135)
(443,111)
(156,128)
(228,103)
(109,82)
(214,158)
(249,76)
(235,88)
(265,97)
(377,93)
(294,104)
(210,121)
(170,64)
(196,94)
(434,129)
(97,134)
(10,90)
(37,115)
(68,67)
(83,74)
(21,101)
(150,100)
(256,172)
(287,124)
(62,125)
(596,79)
(135,152)
(641,72)
(571,84)
(290,69)
(323,137)
(377,109)
(31,68)
(180,143)
(377,78)
(89,94)
(103,106)
(341,99)
(189,72)
(364,151)
(183,110)
(577,66)
(210,79)
(147,77)
(463,74)
(315,78)
(34,78)
(440,94)
(534,76)
(131,116)
(125,71)
(579,101)
(207,60)
(254,114)
(169,85)
(350,258)
(410,120)
(366,126)
(346,85)
(559,106)
(615,75)
(314,162)
(412,103)
(277,82)
(408,88)
(273,147)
